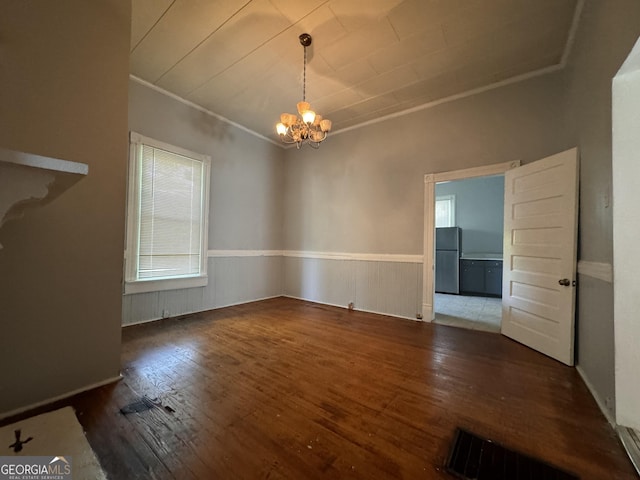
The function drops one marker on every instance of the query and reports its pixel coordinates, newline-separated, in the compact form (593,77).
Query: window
(445,211)
(167,217)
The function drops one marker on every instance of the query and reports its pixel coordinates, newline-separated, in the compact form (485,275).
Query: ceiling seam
(153,26)
(395,32)
(203,40)
(255,49)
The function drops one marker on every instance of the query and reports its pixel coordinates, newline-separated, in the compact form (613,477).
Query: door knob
(565,282)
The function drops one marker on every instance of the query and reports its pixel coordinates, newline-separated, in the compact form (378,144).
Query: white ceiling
(370,58)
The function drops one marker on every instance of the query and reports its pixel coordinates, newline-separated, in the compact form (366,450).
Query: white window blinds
(170,214)
(167,217)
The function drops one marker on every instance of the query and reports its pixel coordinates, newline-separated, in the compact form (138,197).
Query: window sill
(146,286)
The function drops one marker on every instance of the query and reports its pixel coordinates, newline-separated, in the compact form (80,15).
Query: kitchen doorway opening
(478,285)
(469,220)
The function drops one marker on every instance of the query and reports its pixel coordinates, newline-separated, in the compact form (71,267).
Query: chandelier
(306,127)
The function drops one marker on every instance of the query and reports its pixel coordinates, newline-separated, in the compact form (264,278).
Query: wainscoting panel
(381,286)
(389,287)
(142,306)
(595,340)
(244,279)
(320,280)
(145,307)
(176,302)
(232,280)
(388,284)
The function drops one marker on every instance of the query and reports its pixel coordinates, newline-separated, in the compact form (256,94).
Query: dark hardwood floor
(290,389)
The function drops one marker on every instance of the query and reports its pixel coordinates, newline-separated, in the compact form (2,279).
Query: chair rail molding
(601,271)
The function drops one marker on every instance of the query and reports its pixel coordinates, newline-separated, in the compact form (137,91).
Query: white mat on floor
(56,433)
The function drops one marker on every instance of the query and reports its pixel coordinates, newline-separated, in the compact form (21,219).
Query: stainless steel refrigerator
(448,259)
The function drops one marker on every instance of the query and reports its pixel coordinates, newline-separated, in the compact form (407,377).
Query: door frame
(428,265)
(625,143)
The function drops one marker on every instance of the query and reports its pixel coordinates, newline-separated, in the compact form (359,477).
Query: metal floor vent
(475,458)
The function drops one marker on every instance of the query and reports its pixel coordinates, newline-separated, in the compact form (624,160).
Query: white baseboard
(42,403)
(149,320)
(631,444)
(606,412)
(428,313)
(356,309)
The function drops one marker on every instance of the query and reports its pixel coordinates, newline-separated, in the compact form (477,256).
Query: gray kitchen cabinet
(471,276)
(493,277)
(481,277)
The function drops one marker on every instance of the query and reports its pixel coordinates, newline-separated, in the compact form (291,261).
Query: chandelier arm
(287,140)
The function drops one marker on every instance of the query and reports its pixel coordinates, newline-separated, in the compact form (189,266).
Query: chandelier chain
(304,77)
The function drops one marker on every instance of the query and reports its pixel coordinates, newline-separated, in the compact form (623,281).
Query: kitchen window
(445,211)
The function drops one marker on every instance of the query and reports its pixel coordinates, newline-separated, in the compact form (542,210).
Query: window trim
(451,198)
(132,285)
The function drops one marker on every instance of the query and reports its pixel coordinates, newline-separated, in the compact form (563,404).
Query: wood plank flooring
(286,389)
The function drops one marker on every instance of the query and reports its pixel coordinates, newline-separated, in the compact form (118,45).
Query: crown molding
(568,46)
(200,108)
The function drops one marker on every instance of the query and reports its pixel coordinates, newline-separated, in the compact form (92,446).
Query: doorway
(431,180)
(540,249)
(469,220)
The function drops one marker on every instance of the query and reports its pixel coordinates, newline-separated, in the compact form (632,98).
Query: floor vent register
(475,458)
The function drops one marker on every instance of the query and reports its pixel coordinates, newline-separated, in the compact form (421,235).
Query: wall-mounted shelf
(28,180)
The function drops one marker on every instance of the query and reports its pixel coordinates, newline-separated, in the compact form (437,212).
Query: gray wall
(245,206)
(606,34)
(64,78)
(479,212)
(363,191)
(246,171)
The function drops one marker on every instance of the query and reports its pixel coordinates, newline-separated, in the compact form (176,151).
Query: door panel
(541,213)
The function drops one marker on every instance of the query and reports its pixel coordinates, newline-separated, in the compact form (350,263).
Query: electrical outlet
(165,313)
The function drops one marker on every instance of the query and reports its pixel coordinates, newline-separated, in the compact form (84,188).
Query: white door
(540,237)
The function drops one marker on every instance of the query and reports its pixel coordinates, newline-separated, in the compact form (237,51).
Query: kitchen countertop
(481,256)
